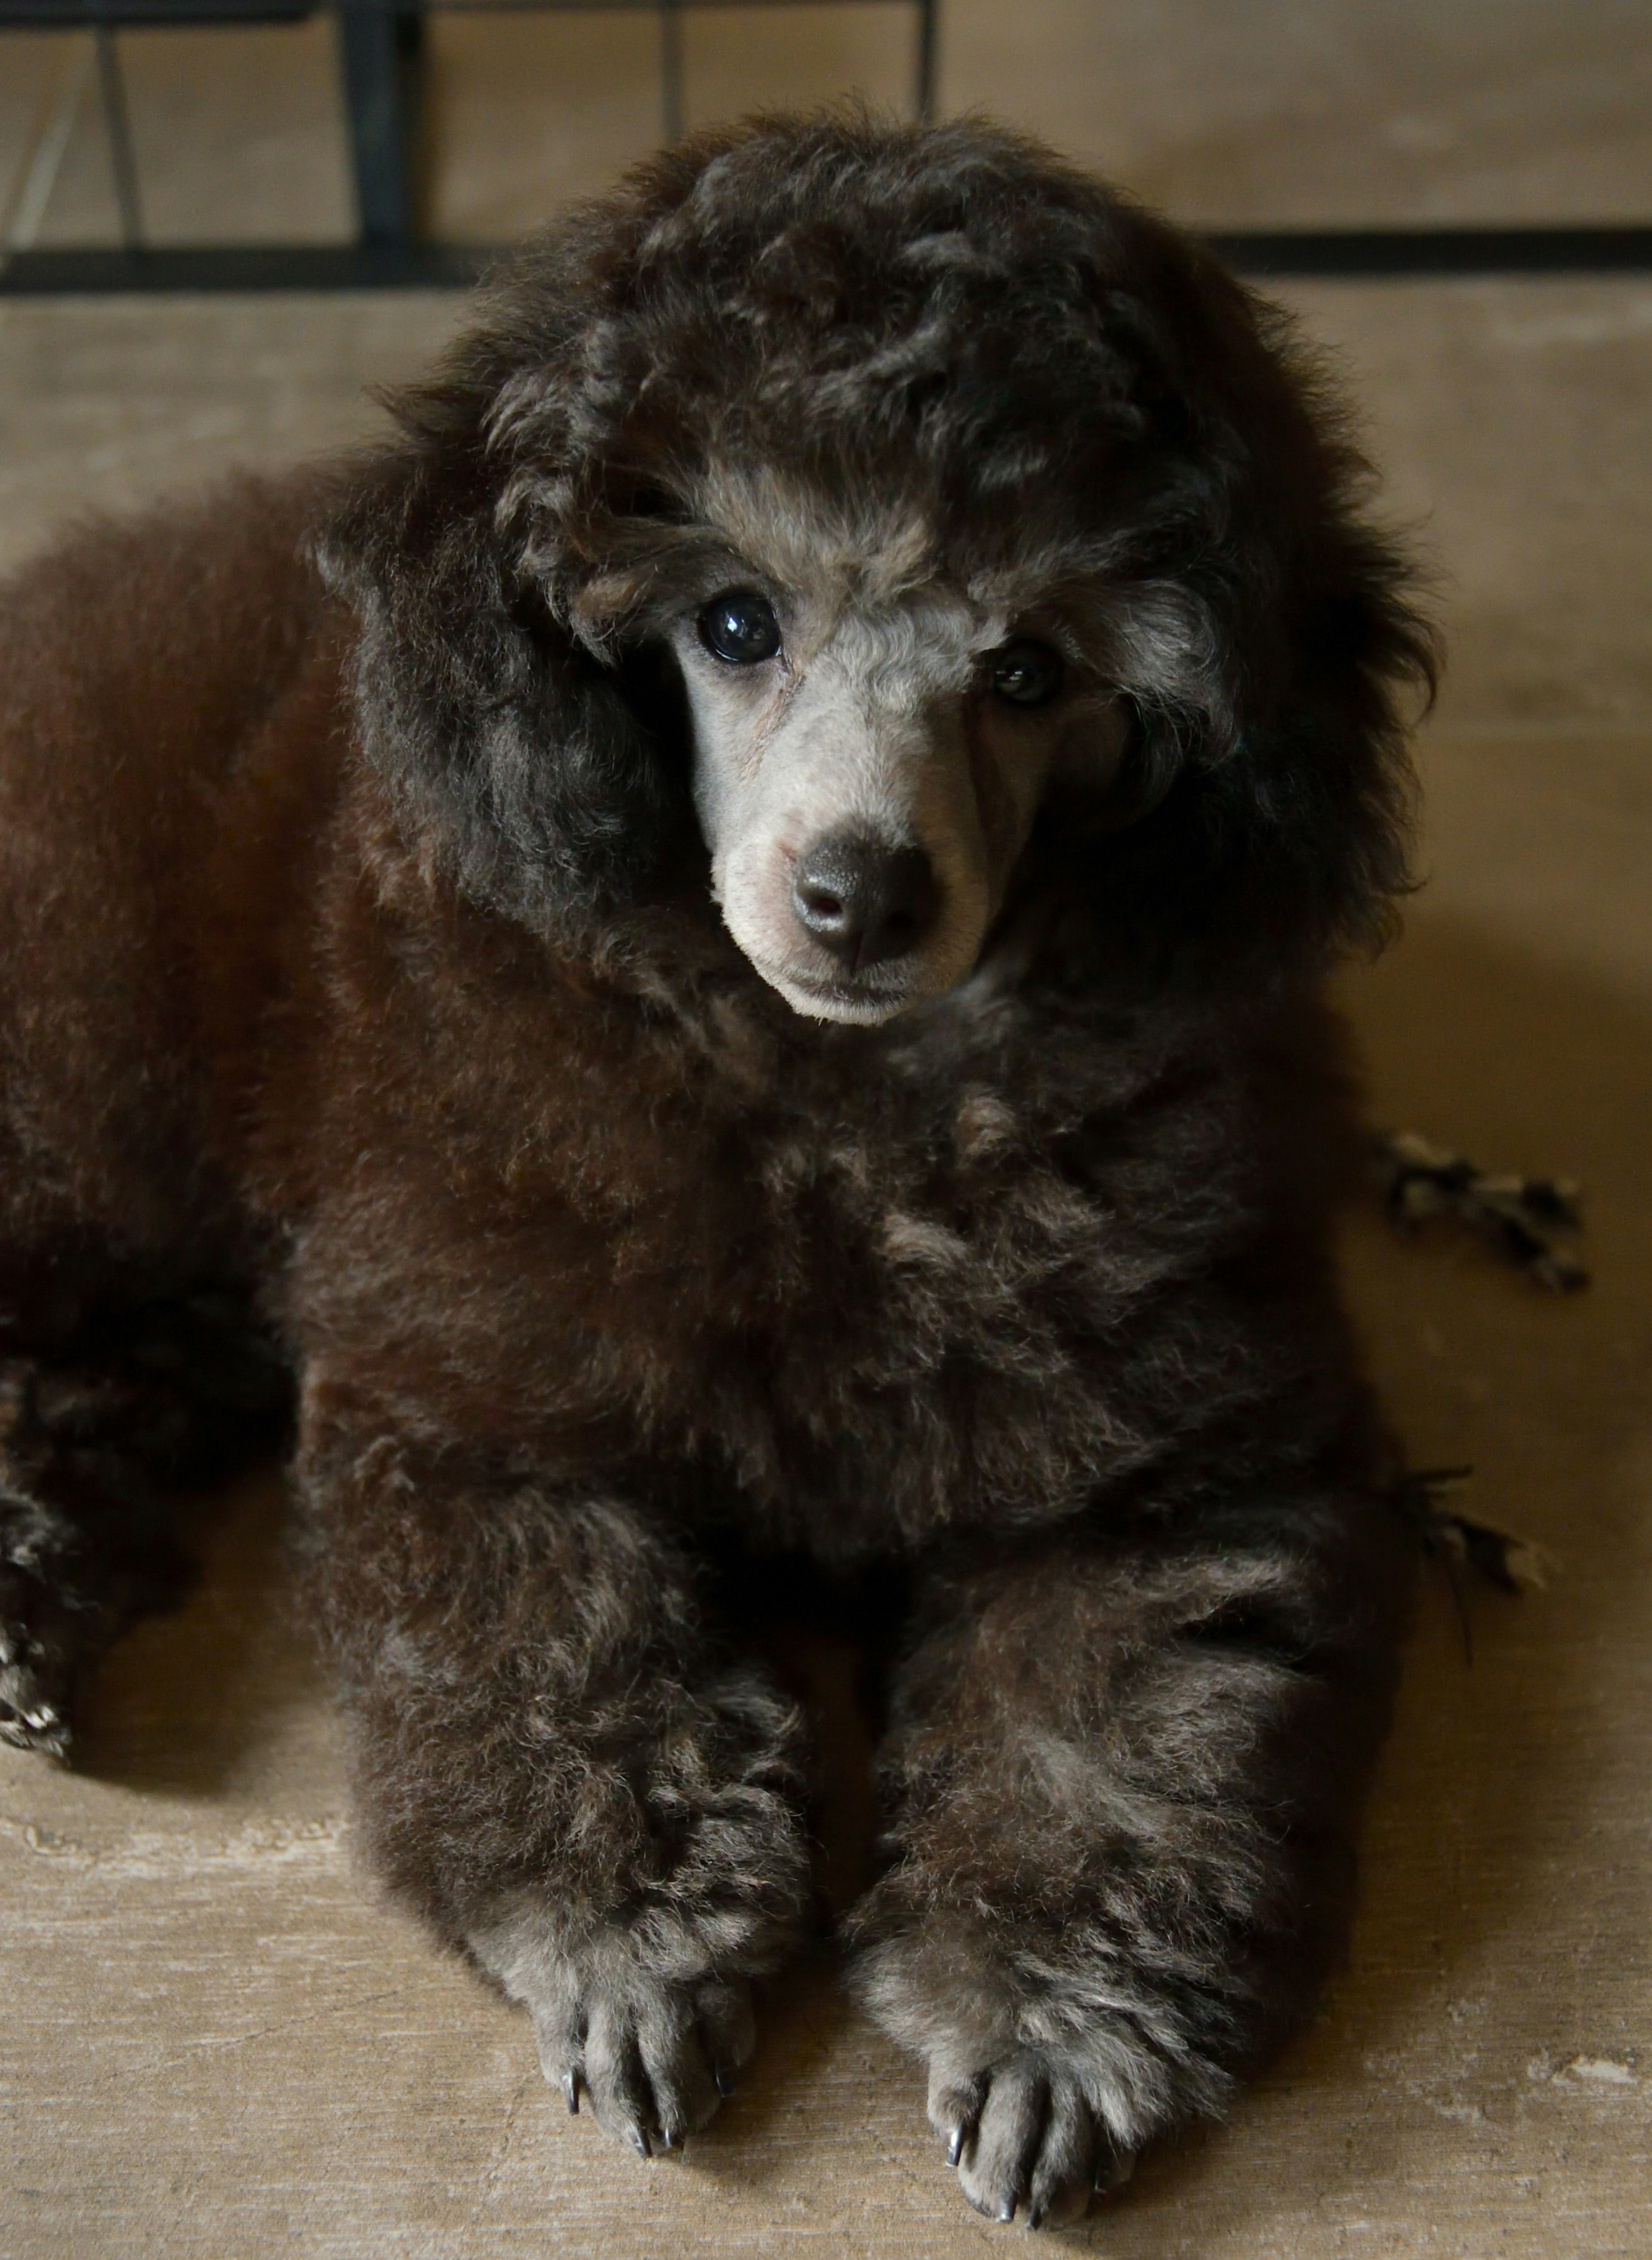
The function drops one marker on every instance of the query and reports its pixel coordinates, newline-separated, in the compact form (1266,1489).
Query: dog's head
(914,515)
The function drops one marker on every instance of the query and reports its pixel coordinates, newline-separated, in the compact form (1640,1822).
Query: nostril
(864,898)
(828,912)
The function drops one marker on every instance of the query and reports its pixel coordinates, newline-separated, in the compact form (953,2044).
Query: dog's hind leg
(97,1435)
(1122,1778)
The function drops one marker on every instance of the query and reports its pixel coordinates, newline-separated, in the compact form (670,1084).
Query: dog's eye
(740,627)
(1025,673)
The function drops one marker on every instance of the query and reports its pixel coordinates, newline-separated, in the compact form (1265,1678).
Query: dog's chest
(909,1298)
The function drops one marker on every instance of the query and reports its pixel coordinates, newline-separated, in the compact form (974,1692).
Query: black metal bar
(672,109)
(112,88)
(142,15)
(924,90)
(146,15)
(1371,255)
(244,267)
(373,100)
(1394,252)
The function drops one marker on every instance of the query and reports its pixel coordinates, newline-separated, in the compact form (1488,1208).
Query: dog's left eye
(740,627)
(1025,673)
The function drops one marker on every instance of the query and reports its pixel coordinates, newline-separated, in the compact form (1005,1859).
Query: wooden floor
(215,2041)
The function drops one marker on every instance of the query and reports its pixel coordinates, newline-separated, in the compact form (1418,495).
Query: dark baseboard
(245,267)
(1395,253)
(1352,253)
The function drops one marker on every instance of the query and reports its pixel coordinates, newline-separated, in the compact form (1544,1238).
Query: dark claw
(640,2139)
(1035,2216)
(1113,2169)
(955,2141)
(32,1726)
(725,2081)
(1006,2208)
(571,2092)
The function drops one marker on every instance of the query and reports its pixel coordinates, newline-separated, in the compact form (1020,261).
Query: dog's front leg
(557,1766)
(1122,1776)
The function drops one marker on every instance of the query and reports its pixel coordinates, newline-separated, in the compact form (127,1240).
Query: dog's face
(871,743)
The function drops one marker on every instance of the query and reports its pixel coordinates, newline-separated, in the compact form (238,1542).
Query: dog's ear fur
(1268,641)
(511,746)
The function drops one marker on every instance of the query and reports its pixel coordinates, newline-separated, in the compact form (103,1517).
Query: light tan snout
(864,800)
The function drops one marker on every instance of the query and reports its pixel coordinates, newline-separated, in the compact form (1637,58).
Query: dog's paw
(654,2057)
(1023,2136)
(632,2017)
(67,1587)
(38,1656)
(1050,2067)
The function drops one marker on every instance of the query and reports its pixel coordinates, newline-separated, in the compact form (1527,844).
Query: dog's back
(165,755)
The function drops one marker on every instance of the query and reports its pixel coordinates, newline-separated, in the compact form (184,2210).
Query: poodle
(716,947)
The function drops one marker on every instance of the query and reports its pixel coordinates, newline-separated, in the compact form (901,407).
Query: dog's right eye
(1025,673)
(740,627)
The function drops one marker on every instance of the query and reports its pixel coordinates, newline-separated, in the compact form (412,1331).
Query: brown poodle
(717,947)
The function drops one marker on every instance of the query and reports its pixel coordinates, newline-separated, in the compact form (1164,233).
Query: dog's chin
(865,1003)
(849,1002)
(817,990)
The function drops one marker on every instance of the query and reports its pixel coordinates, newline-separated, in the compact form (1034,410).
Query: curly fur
(359,963)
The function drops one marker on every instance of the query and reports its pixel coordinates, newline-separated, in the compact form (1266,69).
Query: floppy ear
(1275,654)
(1279,809)
(507,744)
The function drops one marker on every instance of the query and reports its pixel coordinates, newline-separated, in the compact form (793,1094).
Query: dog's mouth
(857,1001)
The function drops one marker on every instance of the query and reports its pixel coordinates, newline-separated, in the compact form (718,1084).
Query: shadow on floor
(185,1701)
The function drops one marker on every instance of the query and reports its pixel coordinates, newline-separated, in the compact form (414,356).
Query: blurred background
(271,2061)
(1226,112)
(1509,416)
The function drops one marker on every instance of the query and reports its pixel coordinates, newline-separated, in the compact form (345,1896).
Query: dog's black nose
(863,899)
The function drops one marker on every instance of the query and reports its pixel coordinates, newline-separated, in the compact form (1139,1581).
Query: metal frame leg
(378,46)
(112,88)
(928,32)
(672,119)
